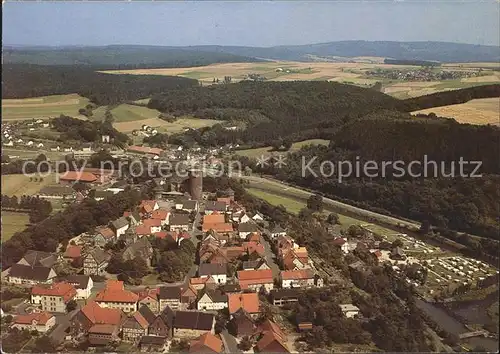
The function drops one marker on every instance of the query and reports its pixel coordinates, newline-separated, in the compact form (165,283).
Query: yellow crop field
(480,111)
(25,185)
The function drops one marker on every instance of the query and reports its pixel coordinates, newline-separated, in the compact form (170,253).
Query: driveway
(62,324)
(230,344)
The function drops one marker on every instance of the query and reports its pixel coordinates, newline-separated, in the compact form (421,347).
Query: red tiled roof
(66,290)
(152,222)
(252,247)
(160,214)
(204,342)
(143,230)
(214,218)
(102,329)
(106,232)
(260,274)
(267,339)
(247,301)
(339,241)
(78,176)
(141,320)
(297,274)
(114,292)
(269,325)
(145,150)
(97,314)
(225,200)
(40,317)
(218,227)
(73,252)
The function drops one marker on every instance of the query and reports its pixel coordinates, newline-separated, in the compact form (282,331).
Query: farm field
(26,154)
(43,107)
(163,126)
(480,111)
(352,73)
(294,205)
(267,150)
(21,185)
(12,222)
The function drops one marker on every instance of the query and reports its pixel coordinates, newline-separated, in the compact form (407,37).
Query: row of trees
(74,220)
(38,209)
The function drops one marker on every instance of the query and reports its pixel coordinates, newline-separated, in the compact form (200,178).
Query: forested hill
(22,80)
(136,56)
(299,109)
(427,51)
(447,98)
(119,57)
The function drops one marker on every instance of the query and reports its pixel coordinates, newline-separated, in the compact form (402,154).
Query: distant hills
(124,56)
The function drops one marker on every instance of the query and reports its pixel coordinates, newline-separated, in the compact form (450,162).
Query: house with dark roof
(95,262)
(38,258)
(217,271)
(26,274)
(162,325)
(242,323)
(280,297)
(255,265)
(230,288)
(215,207)
(246,229)
(179,222)
(135,327)
(101,195)
(190,205)
(141,248)
(193,323)
(397,253)
(169,296)
(83,285)
(211,299)
(152,343)
(120,225)
(134,218)
(277,231)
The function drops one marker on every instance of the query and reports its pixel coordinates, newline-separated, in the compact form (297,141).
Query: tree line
(37,208)
(74,220)
(24,80)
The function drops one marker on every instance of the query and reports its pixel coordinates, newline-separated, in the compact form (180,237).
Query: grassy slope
(12,222)
(20,185)
(267,150)
(42,107)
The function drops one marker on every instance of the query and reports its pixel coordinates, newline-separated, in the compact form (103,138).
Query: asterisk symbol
(280,161)
(262,161)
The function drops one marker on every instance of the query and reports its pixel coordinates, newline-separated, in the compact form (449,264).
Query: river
(452,325)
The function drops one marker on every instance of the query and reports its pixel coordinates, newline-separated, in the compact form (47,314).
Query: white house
(83,285)
(245,218)
(342,243)
(349,310)
(297,279)
(40,145)
(37,321)
(217,271)
(212,300)
(120,226)
(258,217)
(277,231)
(246,229)
(179,222)
(29,143)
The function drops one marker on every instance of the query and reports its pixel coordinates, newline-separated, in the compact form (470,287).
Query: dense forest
(298,110)
(365,124)
(21,81)
(452,97)
(120,56)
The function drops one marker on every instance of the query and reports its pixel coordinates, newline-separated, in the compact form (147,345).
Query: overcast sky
(249,23)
